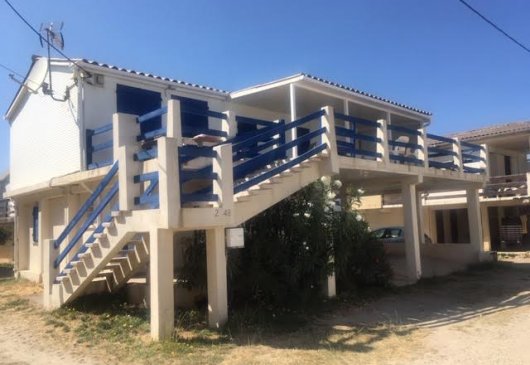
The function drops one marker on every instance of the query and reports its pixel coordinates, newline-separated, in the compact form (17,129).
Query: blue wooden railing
(95,207)
(251,171)
(471,155)
(440,152)
(196,184)
(149,197)
(352,144)
(92,148)
(406,157)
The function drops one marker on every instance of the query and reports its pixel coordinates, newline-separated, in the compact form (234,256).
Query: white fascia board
(267,86)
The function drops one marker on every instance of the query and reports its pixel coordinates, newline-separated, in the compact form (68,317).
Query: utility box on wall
(235,238)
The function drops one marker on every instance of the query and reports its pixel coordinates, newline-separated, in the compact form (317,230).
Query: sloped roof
(364,93)
(496,130)
(180,82)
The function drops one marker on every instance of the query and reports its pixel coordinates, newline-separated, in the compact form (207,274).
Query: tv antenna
(52,33)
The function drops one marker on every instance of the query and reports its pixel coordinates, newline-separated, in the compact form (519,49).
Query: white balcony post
(125,129)
(474,219)
(229,125)
(330,138)
(217,280)
(412,240)
(223,186)
(49,273)
(422,152)
(168,182)
(174,125)
(484,155)
(457,157)
(161,283)
(291,133)
(382,145)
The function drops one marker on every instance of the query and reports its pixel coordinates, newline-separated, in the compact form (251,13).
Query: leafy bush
(289,250)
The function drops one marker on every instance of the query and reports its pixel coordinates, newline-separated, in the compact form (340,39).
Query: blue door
(133,100)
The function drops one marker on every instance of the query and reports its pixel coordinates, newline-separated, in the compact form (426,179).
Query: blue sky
(432,54)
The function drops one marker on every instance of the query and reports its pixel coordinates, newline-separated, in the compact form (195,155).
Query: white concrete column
(223,186)
(49,274)
(174,125)
(474,218)
(421,228)
(161,283)
(291,133)
(125,129)
(22,240)
(330,138)
(457,157)
(168,182)
(422,153)
(73,204)
(217,286)
(382,146)
(45,231)
(484,154)
(229,125)
(412,241)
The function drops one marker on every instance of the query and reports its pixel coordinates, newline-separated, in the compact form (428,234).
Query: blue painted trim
(151,115)
(96,165)
(398,128)
(87,204)
(148,176)
(270,173)
(472,146)
(473,170)
(253,121)
(100,146)
(440,152)
(151,134)
(151,200)
(442,165)
(355,120)
(102,129)
(406,159)
(347,149)
(472,158)
(90,220)
(266,158)
(345,132)
(209,132)
(145,155)
(204,173)
(202,112)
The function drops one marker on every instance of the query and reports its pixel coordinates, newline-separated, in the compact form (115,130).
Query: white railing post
(330,138)
(229,124)
(422,152)
(485,162)
(49,273)
(168,182)
(174,124)
(223,186)
(382,145)
(457,156)
(125,129)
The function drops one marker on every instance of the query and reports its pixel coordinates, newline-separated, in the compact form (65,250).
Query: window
(35,216)
(192,122)
(133,100)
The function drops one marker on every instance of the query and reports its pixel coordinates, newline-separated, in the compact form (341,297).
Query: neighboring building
(7,218)
(504,201)
(111,172)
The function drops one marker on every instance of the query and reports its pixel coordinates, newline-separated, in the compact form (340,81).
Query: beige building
(504,199)
(110,167)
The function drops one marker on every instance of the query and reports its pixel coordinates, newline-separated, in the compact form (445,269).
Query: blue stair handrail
(86,205)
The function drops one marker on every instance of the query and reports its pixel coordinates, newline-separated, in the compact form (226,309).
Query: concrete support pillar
(412,241)
(474,218)
(457,156)
(168,182)
(73,204)
(419,208)
(291,133)
(422,153)
(382,145)
(484,155)
(330,138)
(44,230)
(229,125)
(49,274)
(161,283)
(124,133)
(217,287)
(174,125)
(223,186)
(22,239)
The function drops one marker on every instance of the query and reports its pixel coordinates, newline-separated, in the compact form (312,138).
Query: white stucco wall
(44,133)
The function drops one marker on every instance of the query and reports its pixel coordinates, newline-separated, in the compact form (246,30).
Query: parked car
(394,235)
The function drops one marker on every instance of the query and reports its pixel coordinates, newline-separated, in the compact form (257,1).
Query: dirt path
(480,317)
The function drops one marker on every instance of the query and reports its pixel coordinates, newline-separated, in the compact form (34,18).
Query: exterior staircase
(159,182)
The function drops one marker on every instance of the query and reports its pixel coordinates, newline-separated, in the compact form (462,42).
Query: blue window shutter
(192,124)
(35,224)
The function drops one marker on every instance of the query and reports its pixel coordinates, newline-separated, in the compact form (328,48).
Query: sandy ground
(481,317)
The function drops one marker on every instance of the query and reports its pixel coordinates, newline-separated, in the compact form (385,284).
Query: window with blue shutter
(192,122)
(35,224)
